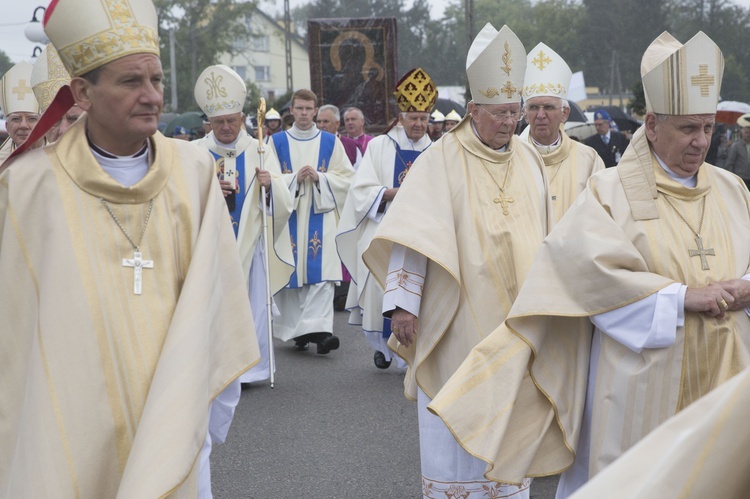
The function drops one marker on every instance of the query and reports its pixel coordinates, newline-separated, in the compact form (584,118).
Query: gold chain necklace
(137,262)
(701,251)
(502,199)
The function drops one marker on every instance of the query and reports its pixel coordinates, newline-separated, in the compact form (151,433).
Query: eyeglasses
(548,108)
(503,115)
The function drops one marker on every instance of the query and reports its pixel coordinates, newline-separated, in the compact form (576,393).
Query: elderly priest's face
(495,123)
(123,102)
(680,141)
(415,124)
(227,128)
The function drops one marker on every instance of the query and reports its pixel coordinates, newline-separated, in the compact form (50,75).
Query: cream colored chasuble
(620,242)
(568,169)
(105,391)
(478,256)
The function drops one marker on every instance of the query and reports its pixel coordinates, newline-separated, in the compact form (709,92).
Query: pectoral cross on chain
(504,201)
(701,252)
(138,264)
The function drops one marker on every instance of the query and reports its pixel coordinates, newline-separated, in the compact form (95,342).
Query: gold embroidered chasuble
(700,452)
(568,169)
(477,256)
(619,243)
(5,149)
(107,391)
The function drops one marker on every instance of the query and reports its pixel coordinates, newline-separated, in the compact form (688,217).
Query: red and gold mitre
(416,92)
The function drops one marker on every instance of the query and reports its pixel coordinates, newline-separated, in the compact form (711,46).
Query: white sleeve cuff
(373,214)
(405,280)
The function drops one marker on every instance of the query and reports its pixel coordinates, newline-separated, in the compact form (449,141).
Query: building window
(240,70)
(260,43)
(262,73)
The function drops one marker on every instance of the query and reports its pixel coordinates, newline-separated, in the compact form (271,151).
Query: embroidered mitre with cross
(16,95)
(495,66)
(48,76)
(547,74)
(682,79)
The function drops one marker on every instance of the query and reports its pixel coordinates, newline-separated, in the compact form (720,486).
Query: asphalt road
(334,426)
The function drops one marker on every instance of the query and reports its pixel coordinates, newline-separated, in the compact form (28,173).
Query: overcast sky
(16,14)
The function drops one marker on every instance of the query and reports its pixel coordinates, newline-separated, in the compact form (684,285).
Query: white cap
(16,95)
(495,66)
(437,116)
(547,74)
(90,33)
(682,79)
(48,76)
(220,91)
(272,114)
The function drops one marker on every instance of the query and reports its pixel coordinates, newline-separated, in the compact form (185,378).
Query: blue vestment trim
(314,243)
(239,197)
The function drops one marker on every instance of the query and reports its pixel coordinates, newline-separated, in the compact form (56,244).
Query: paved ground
(333,427)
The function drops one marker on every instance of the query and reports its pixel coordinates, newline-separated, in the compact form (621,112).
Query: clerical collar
(101,152)
(686,181)
(474,129)
(231,145)
(546,149)
(310,133)
(126,170)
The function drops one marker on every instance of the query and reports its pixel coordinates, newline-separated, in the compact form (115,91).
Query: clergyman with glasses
(455,246)
(20,107)
(569,164)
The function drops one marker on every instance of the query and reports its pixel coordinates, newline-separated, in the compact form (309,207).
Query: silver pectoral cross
(701,252)
(138,264)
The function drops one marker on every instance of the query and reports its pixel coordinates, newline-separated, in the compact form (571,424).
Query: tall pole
(288,45)
(173,70)
(612,76)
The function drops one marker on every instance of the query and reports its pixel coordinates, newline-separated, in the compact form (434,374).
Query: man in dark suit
(609,144)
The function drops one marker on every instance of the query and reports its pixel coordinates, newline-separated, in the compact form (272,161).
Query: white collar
(686,181)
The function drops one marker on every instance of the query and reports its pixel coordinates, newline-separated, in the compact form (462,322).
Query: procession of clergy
(550,313)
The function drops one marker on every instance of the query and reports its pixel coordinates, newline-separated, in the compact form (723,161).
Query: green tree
(5,63)
(204,30)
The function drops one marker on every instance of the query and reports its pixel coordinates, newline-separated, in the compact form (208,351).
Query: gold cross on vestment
(703,79)
(541,61)
(701,252)
(503,200)
(21,90)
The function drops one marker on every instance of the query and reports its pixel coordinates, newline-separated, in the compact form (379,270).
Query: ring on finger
(723,304)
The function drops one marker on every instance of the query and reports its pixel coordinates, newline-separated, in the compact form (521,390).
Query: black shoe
(300,345)
(380,361)
(328,344)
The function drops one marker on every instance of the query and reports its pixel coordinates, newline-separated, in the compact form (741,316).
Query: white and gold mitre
(220,91)
(16,95)
(90,33)
(48,76)
(495,66)
(547,74)
(682,79)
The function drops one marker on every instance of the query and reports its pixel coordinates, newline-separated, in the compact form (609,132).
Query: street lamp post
(34,31)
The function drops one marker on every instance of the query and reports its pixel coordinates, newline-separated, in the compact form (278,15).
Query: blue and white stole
(314,242)
(402,164)
(227,161)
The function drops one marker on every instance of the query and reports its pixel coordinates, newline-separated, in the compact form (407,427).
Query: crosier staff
(264,241)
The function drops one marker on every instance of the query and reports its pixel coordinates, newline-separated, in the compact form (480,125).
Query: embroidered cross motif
(509,89)
(701,252)
(21,90)
(703,79)
(230,154)
(541,61)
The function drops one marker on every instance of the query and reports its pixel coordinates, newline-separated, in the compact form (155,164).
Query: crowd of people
(551,303)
